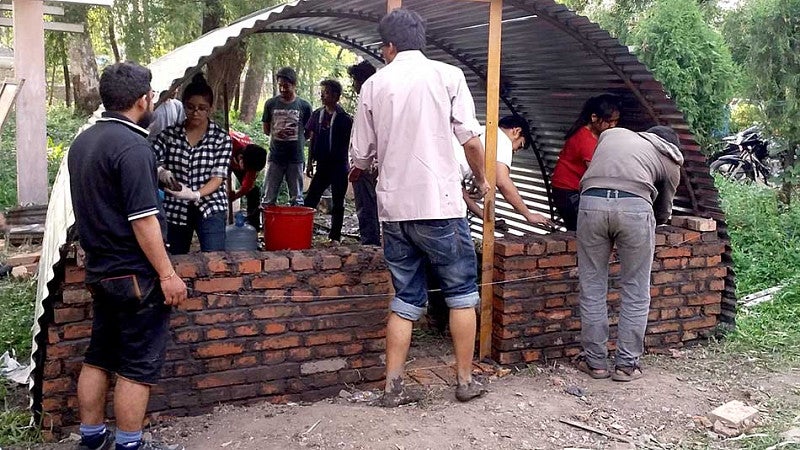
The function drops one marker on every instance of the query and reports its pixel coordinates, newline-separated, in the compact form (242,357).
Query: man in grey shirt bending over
(627,189)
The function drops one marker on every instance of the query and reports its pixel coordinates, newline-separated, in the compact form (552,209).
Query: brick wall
(539,319)
(278,326)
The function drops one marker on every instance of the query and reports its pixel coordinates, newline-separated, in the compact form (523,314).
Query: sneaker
(467,392)
(106,444)
(150,445)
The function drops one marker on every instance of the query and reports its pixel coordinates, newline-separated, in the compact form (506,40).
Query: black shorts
(130,329)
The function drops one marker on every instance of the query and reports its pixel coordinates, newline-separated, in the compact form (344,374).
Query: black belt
(607,193)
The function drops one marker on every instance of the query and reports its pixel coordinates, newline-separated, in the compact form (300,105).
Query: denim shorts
(447,245)
(130,328)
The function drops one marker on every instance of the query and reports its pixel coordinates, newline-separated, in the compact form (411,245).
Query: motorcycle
(744,156)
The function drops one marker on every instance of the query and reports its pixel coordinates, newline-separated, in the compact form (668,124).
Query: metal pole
(492,113)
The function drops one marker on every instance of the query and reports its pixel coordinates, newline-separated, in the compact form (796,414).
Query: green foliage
(17,304)
(744,115)
(690,59)
(15,423)
(765,35)
(765,236)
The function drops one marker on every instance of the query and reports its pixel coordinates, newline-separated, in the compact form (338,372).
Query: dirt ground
(522,411)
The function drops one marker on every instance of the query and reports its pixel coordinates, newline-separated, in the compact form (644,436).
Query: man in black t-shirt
(284,122)
(120,223)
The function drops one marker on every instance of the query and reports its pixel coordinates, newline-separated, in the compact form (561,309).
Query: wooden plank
(53,26)
(391,5)
(492,113)
(8,95)
(49,10)
(108,3)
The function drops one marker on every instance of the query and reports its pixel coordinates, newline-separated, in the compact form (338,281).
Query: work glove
(168,179)
(185,194)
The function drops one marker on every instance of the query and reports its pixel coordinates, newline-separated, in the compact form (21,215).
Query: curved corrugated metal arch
(553,60)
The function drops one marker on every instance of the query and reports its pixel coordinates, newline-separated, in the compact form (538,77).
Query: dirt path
(522,411)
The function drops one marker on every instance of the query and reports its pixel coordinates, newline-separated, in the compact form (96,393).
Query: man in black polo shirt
(120,222)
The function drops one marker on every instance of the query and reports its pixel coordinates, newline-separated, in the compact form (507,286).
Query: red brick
(192,304)
(557,314)
(705,322)
(667,302)
(76,296)
(509,248)
(245,361)
(572,245)
(184,336)
(302,295)
(299,354)
(701,224)
(77,331)
(712,310)
(276,263)
(250,266)
(557,261)
(327,338)
(274,311)
(186,269)
(302,262)
(673,263)
(225,284)
(216,333)
(554,302)
(274,328)
(53,337)
(688,311)
(321,280)
(506,358)
(712,261)
(687,288)
(704,299)
(668,313)
(669,290)
(74,275)
(277,342)
(57,385)
(219,317)
(67,315)
(331,262)
(382,276)
(217,263)
(218,349)
(274,281)
(556,247)
(716,285)
(178,320)
(246,330)
(674,252)
(663,277)
(660,239)
(219,301)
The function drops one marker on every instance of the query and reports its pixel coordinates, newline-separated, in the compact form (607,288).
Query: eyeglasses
(190,108)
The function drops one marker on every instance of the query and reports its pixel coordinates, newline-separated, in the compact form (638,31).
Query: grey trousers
(629,224)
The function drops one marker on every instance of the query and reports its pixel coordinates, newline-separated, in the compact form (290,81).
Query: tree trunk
(253,84)
(226,69)
(65,69)
(85,81)
(112,36)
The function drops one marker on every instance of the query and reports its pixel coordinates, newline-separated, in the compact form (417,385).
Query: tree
(768,47)
(83,73)
(690,59)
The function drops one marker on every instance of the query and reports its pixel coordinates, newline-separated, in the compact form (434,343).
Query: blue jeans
(628,224)
(447,244)
(210,232)
(276,172)
(367,208)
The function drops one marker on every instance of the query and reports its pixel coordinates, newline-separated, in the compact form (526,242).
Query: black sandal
(627,373)
(583,365)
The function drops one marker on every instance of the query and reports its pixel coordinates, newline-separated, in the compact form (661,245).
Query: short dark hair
(254,157)
(334,86)
(403,28)
(517,121)
(288,74)
(361,71)
(200,87)
(666,133)
(121,84)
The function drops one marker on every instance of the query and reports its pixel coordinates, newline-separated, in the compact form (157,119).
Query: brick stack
(279,326)
(539,318)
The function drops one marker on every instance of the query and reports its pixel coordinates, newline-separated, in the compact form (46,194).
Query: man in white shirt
(406,116)
(514,135)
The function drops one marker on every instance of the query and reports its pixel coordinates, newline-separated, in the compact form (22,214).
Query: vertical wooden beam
(29,65)
(391,5)
(492,113)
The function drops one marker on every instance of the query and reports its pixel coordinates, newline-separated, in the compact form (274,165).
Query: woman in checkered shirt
(193,159)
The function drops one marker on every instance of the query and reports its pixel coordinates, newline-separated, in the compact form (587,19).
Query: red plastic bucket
(288,227)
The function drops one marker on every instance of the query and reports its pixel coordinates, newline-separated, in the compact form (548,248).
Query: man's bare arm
(148,234)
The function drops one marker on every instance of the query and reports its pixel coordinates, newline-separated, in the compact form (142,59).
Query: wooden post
(492,113)
(29,65)
(391,5)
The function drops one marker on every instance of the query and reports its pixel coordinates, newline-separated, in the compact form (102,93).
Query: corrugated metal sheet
(552,61)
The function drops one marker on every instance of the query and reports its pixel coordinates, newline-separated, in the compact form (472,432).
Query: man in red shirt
(247,159)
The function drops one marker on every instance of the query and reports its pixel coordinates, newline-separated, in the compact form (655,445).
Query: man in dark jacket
(627,189)
(329,130)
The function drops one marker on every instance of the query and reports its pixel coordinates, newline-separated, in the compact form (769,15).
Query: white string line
(341,297)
